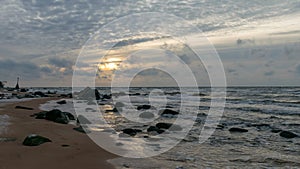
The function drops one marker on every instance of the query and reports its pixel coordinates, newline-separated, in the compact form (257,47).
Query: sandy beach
(68,149)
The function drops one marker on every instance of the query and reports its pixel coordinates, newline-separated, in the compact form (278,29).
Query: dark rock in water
(134,94)
(156,129)
(147,115)
(70,116)
(62,102)
(115,110)
(23,107)
(35,140)
(143,107)
(81,130)
(23,90)
(131,132)
(70,95)
(170,126)
(39,93)
(288,134)
(238,130)
(106,96)
(168,112)
(276,130)
(83,120)
(57,116)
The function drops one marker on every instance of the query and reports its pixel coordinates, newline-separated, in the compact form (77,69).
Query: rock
(168,112)
(276,130)
(238,130)
(147,115)
(81,130)
(57,116)
(69,115)
(143,107)
(83,120)
(35,140)
(23,90)
(131,132)
(288,134)
(89,94)
(170,126)
(62,102)
(23,107)
(39,93)
(156,129)
(41,115)
(106,96)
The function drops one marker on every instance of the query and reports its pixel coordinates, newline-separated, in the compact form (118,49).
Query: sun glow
(110,64)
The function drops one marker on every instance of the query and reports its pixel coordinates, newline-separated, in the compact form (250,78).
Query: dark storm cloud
(11,69)
(245,41)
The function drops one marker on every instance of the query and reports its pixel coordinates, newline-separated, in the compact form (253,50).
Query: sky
(257,41)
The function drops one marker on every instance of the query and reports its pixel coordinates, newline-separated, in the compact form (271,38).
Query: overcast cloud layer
(258,41)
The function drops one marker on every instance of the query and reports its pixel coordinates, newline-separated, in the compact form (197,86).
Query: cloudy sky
(257,41)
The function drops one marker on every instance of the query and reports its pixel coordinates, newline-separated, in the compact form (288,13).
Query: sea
(262,113)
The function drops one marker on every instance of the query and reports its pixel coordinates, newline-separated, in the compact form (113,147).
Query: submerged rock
(131,132)
(62,102)
(143,107)
(35,140)
(168,112)
(170,126)
(238,130)
(288,134)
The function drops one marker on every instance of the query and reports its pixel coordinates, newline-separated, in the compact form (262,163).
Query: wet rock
(41,115)
(57,116)
(131,132)
(39,93)
(106,96)
(288,134)
(146,115)
(35,140)
(81,130)
(168,112)
(143,107)
(23,107)
(276,130)
(83,120)
(155,129)
(238,130)
(62,102)
(23,90)
(89,94)
(170,126)
(69,115)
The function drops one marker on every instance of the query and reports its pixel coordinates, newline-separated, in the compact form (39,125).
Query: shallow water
(259,110)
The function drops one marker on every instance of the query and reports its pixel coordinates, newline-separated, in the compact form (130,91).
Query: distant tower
(17,85)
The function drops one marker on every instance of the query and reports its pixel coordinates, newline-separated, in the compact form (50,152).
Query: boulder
(237,130)
(57,116)
(83,120)
(168,112)
(40,115)
(143,107)
(62,102)
(35,140)
(88,94)
(81,130)
(69,115)
(288,134)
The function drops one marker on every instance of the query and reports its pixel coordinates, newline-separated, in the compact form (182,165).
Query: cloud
(245,41)
(269,73)
(11,69)
(60,62)
(297,69)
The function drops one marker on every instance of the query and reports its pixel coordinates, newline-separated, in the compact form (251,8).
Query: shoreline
(80,152)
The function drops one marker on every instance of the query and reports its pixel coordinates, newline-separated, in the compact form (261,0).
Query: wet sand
(80,152)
